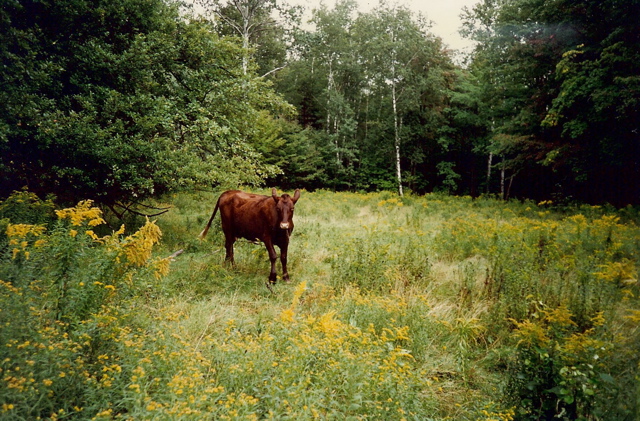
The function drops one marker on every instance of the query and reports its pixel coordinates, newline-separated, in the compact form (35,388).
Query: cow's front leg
(283,260)
(272,258)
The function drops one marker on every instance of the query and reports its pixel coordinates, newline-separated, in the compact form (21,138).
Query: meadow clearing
(416,308)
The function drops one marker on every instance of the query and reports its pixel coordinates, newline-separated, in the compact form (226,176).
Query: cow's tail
(213,215)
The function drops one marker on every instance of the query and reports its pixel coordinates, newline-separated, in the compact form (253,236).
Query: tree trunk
(502,192)
(510,184)
(329,88)
(247,13)
(489,171)
(396,127)
(245,51)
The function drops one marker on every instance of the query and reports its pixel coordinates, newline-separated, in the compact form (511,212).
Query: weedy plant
(430,308)
(62,291)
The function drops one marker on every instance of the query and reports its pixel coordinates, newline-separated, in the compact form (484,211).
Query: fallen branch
(128,209)
(174,255)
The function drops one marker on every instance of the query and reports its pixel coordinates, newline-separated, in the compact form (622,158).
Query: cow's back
(247,215)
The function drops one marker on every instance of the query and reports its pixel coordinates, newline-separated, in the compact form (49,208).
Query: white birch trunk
(489,170)
(329,88)
(245,52)
(396,127)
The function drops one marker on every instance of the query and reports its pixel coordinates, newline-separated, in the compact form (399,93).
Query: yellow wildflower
(531,333)
(137,247)
(92,234)
(161,268)
(328,324)
(105,413)
(21,230)
(560,315)
(287,315)
(81,213)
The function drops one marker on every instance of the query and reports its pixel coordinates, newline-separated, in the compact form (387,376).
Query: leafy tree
(562,93)
(263,26)
(301,158)
(510,77)
(373,85)
(121,100)
(323,82)
(462,139)
(596,113)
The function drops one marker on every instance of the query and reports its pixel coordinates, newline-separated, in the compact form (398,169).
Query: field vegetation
(422,307)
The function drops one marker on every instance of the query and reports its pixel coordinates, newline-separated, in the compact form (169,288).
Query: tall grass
(431,307)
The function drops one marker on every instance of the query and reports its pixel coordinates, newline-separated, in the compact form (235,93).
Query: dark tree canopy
(122,100)
(562,82)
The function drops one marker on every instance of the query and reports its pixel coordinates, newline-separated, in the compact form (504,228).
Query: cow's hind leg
(228,244)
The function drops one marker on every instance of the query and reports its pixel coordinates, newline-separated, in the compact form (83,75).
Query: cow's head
(285,205)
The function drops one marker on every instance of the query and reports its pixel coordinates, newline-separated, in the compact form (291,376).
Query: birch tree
(335,61)
(250,21)
(373,85)
(404,65)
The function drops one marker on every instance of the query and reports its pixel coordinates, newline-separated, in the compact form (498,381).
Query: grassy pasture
(425,308)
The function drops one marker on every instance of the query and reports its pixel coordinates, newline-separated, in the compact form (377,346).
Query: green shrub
(558,369)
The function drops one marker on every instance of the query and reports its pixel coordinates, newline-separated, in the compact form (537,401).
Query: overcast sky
(445,15)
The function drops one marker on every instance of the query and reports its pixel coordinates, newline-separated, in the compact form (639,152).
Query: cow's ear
(296,196)
(274,193)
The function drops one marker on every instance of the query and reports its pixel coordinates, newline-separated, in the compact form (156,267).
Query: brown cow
(256,217)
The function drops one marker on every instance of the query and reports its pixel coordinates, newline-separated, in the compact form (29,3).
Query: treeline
(122,100)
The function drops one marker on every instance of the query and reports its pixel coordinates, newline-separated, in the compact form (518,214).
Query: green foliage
(26,207)
(445,170)
(263,26)
(121,101)
(562,90)
(558,369)
(365,82)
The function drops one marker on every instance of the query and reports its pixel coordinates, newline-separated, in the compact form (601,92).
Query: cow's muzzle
(284,225)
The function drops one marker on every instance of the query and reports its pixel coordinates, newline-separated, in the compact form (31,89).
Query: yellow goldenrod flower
(81,213)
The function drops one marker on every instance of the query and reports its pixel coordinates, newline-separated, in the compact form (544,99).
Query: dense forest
(120,101)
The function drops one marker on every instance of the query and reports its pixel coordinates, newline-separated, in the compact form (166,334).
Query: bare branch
(135,212)
(273,71)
